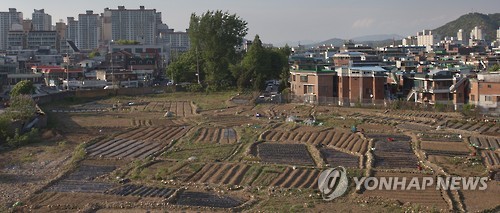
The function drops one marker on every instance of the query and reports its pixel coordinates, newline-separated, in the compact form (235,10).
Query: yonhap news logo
(333,183)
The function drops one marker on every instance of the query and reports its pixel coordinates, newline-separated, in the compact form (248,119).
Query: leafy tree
(183,69)
(214,36)
(24,87)
(260,64)
(21,107)
(494,68)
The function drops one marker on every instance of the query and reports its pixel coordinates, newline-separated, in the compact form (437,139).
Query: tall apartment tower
(71,34)
(41,20)
(427,38)
(498,34)
(476,33)
(462,37)
(130,24)
(7,19)
(88,31)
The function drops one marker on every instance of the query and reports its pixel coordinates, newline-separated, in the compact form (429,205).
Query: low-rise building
(361,84)
(314,85)
(485,92)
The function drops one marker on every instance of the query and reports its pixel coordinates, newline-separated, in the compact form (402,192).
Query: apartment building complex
(130,24)
(7,19)
(41,21)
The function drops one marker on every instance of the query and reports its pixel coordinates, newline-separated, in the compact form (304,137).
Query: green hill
(489,23)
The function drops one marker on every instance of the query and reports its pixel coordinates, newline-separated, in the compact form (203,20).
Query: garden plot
(230,120)
(481,127)
(219,173)
(87,107)
(393,152)
(297,178)
(491,158)
(491,143)
(430,197)
(83,180)
(441,137)
(419,114)
(162,133)
(141,191)
(139,143)
(388,119)
(216,135)
(155,122)
(280,153)
(481,200)
(204,199)
(414,126)
(178,108)
(333,138)
(450,149)
(337,158)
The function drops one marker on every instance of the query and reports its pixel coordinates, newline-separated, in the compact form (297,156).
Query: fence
(102,93)
(369,103)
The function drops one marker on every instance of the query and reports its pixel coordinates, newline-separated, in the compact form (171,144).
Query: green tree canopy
(23,87)
(21,107)
(183,68)
(260,64)
(214,36)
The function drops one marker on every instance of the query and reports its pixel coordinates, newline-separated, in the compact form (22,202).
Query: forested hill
(488,22)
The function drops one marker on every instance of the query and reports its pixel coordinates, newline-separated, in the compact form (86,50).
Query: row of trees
(214,61)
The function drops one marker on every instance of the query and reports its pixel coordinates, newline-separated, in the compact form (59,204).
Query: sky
(287,21)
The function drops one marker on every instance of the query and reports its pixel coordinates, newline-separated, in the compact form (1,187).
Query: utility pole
(197,66)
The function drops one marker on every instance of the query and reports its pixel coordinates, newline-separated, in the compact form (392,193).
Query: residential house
(361,84)
(314,85)
(485,92)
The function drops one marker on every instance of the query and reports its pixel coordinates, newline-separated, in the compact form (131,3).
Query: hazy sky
(278,21)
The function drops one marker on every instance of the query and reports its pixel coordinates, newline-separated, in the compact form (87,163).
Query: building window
(473,97)
(303,78)
(489,85)
(293,77)
(487,98)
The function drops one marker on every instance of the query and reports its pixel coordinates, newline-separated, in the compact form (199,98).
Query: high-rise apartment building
(427,38)
(461,37)
(88,31)
(7,19)
(41,21)
(476,33)
(130,24)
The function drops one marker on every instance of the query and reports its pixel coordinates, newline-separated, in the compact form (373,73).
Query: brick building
(313,84)
(485,92)
(361,84)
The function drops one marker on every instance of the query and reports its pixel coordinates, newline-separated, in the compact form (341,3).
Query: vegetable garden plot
(178,108)
(297,178)
(430,197)
(444,148)
(230,120)
(491,158)
(82,180)
(440,137)
(216,135)
(141,191)
(415,126)
(481,127)
(204,199)
(291,154)
(220,173)
(491,143)
(336,158)
(330,137)
(138,143)
(392,154)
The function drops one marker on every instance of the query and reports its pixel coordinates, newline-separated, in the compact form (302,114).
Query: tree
(24,87)
(183,69)
(494,68)
(214,36)
(260,64)
(22,107)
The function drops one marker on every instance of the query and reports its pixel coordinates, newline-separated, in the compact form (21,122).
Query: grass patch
(203,100)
